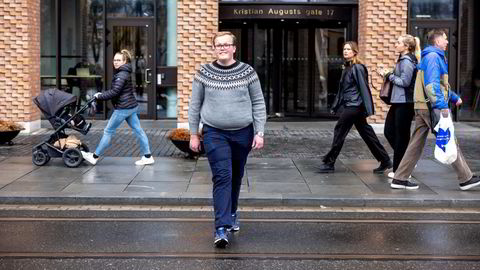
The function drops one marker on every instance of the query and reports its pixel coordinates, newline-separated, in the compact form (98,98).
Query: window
(48,46)
(130,8)
(433,9)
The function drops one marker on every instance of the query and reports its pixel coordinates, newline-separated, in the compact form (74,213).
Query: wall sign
(318,12)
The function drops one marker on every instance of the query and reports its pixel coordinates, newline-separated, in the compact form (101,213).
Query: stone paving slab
(268,181)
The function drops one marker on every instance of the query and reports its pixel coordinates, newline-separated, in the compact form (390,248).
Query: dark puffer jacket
(121,93)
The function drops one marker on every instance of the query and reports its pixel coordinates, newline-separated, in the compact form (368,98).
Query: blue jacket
(433,76)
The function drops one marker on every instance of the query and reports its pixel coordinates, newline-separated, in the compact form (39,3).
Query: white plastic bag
(445,145)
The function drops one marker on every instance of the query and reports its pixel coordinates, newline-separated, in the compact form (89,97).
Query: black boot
(326,168)
(385,165)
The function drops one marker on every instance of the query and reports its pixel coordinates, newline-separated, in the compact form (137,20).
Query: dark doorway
(298,61)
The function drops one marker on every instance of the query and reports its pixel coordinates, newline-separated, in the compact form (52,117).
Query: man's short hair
(225,33)
(434,34)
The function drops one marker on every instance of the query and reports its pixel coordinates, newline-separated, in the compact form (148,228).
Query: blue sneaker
(235,224)
(221,237)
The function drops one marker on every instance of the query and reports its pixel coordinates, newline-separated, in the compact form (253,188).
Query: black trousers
(349,117)
(397,129)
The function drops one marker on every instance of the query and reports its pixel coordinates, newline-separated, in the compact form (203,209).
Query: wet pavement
(283,173)
(267,181)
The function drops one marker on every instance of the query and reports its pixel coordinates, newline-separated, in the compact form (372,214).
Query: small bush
(9,126)
(179,134)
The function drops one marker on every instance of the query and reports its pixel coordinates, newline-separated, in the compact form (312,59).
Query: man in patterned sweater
(227,98)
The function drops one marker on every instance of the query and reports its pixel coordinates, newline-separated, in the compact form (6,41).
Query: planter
(6,137)
(184,146)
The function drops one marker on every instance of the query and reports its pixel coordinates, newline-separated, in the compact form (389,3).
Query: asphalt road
(123,237)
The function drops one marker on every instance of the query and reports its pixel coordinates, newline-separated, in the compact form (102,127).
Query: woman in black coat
(125,109)
(356,100)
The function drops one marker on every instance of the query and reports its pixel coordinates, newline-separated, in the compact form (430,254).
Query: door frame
(151,89)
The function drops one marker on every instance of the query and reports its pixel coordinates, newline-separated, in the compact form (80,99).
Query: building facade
(295,46)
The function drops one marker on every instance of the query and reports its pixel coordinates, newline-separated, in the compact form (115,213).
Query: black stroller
(59,108)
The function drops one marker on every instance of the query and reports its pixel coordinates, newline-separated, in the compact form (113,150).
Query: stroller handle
(87,104)
(90,101)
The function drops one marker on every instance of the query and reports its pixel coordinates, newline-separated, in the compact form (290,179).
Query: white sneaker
(89,157)
(392,175)
(145,161)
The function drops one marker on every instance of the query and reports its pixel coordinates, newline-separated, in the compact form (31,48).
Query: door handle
(146,75)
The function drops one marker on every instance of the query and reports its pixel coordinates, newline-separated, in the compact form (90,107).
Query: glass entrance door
(298,63)
(136,36)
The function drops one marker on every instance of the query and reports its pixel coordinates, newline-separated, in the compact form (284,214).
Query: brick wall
(19,60)
(379,25)
(197,22)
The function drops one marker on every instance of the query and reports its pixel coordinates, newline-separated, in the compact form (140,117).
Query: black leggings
(349,117)
(397,129)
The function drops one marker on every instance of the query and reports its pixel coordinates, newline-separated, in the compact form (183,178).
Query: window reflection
(81,49)
(82,56)
(433,9)
(469,72)
(48,46)
(328,66)
(162,33)
(130,8)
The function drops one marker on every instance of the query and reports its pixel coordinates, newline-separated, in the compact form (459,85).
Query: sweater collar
(217,65)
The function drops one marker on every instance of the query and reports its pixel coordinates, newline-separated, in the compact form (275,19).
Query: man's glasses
(223,46)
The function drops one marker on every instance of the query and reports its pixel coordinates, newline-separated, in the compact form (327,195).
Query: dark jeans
(397,129)
(227,152)
(349,117)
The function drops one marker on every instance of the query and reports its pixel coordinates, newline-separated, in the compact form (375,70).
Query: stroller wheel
(40,158)
(72,157)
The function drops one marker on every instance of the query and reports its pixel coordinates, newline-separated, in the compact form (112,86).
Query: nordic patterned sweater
(227,98)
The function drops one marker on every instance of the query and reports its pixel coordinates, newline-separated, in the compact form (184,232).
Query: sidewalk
(281,174)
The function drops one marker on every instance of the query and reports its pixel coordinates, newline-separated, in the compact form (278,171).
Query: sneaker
(383,167)
(221,237)
(392,175)
(326,168)
(236,224)
(145,161)
(89,157)
(399,184)
(473,182)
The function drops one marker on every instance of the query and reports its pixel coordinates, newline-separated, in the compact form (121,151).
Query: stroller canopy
(53,100)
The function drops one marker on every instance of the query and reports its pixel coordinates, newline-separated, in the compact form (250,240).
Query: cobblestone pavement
(281,143)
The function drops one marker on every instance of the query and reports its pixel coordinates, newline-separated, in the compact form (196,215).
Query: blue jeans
(227,152)
(117,118)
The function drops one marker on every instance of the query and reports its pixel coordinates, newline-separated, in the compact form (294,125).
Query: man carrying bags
(432,82)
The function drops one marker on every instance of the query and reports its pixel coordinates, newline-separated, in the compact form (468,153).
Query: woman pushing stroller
(125,109)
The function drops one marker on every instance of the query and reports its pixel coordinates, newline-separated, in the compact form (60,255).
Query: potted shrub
(180,137)
(8,131)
